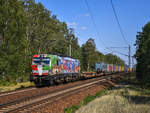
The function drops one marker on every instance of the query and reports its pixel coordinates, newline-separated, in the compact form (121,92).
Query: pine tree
(143,54)
(13,27)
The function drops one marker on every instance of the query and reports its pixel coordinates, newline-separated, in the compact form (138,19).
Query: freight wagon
(109,68)
(47,69)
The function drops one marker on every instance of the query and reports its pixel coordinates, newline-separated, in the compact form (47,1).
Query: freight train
(48,69)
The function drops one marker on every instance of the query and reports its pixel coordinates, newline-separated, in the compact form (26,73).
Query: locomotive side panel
(47,68)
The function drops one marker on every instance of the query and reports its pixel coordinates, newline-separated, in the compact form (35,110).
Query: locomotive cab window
(41,61)
(57,62)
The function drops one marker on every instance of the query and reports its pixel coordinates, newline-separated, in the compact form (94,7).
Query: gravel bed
(75,99)
(33,92)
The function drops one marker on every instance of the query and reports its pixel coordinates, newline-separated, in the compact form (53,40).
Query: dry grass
(14,87)
(126,99)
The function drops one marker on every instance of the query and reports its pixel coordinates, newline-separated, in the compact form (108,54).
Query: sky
(132,15)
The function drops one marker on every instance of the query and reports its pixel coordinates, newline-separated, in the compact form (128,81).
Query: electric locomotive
(47,69)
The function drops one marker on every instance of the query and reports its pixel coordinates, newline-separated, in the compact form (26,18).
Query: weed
(100,93)
(10,87)
(1,89)
(21,87)
(88,99)
(85,101)
(72,109)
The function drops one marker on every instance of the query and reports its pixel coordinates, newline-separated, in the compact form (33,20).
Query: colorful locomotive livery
(48,68)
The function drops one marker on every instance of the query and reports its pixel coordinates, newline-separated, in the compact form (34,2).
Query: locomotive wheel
(51,82)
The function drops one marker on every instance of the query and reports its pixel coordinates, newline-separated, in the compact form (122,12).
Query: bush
(89,98)
(72,109)
(85,101)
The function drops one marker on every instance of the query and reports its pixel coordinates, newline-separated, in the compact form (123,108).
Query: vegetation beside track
(128,97)
(142,56)
(11,87)
(85,101)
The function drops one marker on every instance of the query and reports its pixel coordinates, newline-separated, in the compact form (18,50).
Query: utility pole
(70,48)
(129,56)
(132,61)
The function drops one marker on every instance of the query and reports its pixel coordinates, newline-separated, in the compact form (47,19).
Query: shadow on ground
(138,99)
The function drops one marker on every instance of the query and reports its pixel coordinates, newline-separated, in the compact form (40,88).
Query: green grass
(89,98)
(12,87)
(125,99)
(85,101)
(72,109)
(129,97)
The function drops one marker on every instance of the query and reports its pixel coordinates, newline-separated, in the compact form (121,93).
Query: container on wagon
(99,67)
(110,69)
(114,68)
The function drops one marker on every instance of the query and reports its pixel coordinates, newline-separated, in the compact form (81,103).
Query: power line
(119,25)
(119,47)
(79,38)
(121,31)
(118,51)
(93,21)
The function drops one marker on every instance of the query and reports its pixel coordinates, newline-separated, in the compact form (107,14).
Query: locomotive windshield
(41,61)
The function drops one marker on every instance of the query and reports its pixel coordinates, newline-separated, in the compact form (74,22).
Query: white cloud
(87,15)
(84,15)
(83,28)
(72,24)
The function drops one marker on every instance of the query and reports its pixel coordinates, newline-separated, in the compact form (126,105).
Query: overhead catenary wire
(121,30)
(93,21)
(119,25)
(97,31)
(118,51)
(119,47)
(79,38)
(94,24)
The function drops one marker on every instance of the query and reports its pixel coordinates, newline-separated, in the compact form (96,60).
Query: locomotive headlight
(34,71)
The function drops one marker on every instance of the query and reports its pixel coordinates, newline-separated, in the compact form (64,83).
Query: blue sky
(132,14)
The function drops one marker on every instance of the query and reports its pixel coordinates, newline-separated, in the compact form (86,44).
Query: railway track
(30,103)
(16,91)
(2,94)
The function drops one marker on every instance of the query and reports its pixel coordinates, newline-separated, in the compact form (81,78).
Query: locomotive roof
(65,57)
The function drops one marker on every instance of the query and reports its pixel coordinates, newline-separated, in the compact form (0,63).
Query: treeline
(89,55)
(143,55)
(28,28)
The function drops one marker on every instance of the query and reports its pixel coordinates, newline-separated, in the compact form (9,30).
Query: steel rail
(35,101)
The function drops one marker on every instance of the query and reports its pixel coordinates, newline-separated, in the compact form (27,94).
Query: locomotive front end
(40,66)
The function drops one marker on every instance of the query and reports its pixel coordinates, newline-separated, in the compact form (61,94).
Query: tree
(28,28)
(113,59)
(88,55)
(143,54)
(12,36)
